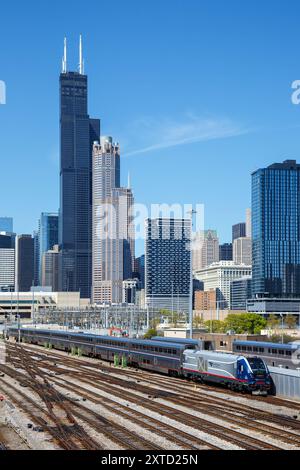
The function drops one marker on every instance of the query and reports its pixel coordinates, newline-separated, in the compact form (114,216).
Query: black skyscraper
(24,263)
(77,134)
(238,231)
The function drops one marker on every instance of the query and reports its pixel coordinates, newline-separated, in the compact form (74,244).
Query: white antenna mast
(64,61)
(81,63)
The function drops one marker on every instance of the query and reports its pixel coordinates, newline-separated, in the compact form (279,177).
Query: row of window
(281,352)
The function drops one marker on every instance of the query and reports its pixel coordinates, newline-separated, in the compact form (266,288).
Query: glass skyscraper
(6,224)
(48,236)
(276,230)
(77,134)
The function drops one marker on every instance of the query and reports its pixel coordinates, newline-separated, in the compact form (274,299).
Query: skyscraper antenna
(129,180)
(64,61)
(81,63)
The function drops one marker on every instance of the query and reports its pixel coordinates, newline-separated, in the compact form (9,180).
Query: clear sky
(197,92)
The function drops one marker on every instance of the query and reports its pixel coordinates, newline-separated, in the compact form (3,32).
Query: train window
(281,352)
(288,353)
(175,352)
(244,348)
(274,351)
(249,348)
(261,350)
(269,351)
(238,348)
(160,350)
(255,349)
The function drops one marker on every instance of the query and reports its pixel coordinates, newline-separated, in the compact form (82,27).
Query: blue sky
(197,92)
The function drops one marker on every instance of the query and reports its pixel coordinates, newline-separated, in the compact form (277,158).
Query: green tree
(250,323)
(273,322)
(278,339)
(291,322)
(215,326)
(150,333)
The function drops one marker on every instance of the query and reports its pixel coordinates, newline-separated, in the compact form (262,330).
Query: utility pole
(192,212)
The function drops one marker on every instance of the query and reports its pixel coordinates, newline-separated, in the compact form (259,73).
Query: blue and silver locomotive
(236,372)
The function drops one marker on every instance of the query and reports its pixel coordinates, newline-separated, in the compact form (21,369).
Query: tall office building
(238,231)
(276,230)
(205,249)
(6,224)
(168,264)
(139,270)
(47,238)
(50,268)
(7,261)
(77,134)
(113,227)
(225,252)
(242,251)
(24,273)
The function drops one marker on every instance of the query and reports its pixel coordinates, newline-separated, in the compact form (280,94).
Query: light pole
(281,315)
(192,212)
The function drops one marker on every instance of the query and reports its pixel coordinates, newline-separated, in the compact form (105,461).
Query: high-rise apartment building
(276,230)
(168,264)
(77,134)
(7,261)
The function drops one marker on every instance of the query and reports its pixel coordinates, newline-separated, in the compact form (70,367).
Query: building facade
(50,265)
(77,134)
(168,264)
(205,300)
(276,230)
(242,251)
(6,224)
(226,253)
(113,225)
(240,292)
(24,267)
(219,276)
(238,231)
(205,249)
(47,238)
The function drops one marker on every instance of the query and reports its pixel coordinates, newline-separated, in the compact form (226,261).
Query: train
(176,358)
(274,354)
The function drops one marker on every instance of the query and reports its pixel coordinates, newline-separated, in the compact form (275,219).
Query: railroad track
(210,407)
(236,437)
(116,433)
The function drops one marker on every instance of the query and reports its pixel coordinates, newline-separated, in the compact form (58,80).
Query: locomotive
(173,357)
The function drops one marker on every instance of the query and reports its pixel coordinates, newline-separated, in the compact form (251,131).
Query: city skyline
(156,121)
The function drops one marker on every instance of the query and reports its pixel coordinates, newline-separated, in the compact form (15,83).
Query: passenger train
(177,358)
(274,354)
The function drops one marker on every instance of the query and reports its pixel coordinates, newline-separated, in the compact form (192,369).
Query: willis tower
(77,134)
